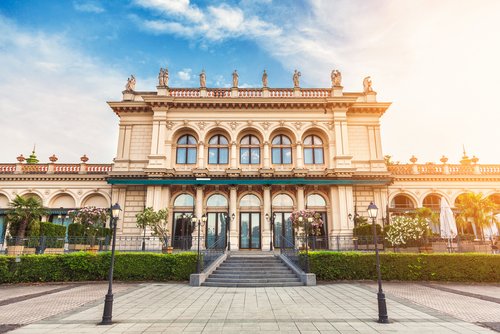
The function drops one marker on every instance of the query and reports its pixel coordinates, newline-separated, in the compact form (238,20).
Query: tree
(23,211)
(476,207)
(157,221)
(427,215)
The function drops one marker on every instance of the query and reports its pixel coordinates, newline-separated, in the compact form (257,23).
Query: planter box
(483,248)
(77,247)
(30,250)
(409,250)
(53,251)
(440,247)
(370,247)
(427,249)
(167,250)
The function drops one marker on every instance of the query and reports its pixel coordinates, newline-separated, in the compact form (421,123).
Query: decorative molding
(233,125)
(266,125)
(170,125)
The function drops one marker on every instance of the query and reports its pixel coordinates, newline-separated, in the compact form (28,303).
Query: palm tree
(476,207)
(23,211)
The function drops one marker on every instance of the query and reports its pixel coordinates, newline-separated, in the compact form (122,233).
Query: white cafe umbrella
(447,220)
(492,231)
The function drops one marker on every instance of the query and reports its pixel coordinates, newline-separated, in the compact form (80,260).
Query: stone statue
(130,83)
(336,78)
(163,77)
(203,79)
(367,85)
(235,79)
(264,79)
(296,76)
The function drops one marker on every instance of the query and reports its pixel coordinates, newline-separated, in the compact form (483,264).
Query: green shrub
(83,266)
(53,232)
(467,267)
(82,234)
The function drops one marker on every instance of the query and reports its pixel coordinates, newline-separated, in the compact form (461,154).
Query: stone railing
(251,92)
(53,168)
(185,92)
(315,92)
(433,169)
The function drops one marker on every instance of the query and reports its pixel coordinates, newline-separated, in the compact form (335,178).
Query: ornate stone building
(242,157)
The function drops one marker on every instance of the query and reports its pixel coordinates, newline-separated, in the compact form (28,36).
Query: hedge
(84,266)
(467,267)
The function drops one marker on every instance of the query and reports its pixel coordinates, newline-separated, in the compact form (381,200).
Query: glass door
(182,230)
(250,230)
(216,230)
(283,227)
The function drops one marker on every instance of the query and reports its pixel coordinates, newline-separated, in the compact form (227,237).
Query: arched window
(282,200)
(281,150)
(186,150)
(184,200)
(216,200)
(316,200)
(250,150)
(432,202)
(313,150)
(250,200)
(402,202)
(218,151)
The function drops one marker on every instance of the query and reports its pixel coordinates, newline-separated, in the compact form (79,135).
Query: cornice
(52,177)
(447,178)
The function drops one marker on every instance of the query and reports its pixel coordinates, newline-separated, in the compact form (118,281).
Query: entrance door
(283,227)
(250,230)
(182,230)
(216,230)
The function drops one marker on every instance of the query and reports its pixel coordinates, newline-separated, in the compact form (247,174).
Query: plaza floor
(179,308)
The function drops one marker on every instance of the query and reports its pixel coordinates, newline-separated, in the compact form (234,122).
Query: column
(335,222)
(199,214)
(267,163)
(165,200)
(300,198)
(266,227)
(300,155)
(157,153)
(234,156)
(233,202)
(201,154)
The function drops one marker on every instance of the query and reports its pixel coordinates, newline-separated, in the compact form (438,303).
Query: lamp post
(107,315)
(228,227)
(382,308)
(271,223)
(309,222)
(201,222)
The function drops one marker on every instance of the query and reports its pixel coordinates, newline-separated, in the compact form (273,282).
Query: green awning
(256,181)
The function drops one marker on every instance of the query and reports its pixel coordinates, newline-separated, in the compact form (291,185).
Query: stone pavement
(179,308)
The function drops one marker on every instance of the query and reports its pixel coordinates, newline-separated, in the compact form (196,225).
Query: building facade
(246,158)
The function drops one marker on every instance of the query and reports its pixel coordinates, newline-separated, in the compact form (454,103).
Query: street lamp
(228,227)
(271,223)
(382,308)
(107,315)
(201,222)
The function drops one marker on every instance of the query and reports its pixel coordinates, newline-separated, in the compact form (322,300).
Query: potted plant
(23,212)
(157,222)
(90,219)
(307,223)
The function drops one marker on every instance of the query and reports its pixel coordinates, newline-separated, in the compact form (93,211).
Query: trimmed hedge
(467,267)
(83,266)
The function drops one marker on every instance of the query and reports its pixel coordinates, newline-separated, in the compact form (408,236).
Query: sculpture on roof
(130,83)
(296,76)
(264,79)
(336,78)
(367,85)
(163,77)
(203,79)
(235,79)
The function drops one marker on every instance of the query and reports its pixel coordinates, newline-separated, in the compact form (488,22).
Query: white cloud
(180,8)
(185,74)
(89,7)
(53,95)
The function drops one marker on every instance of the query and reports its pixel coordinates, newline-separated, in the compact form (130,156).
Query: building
(247,158)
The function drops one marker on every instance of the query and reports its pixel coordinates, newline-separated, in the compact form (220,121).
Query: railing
(433,169)
(289,249)
(55,168)
(7,168)
(185,92)
(216,250)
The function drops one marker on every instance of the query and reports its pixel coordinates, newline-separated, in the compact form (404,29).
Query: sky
(437,61)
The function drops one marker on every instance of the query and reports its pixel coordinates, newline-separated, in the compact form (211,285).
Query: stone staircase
(252,271)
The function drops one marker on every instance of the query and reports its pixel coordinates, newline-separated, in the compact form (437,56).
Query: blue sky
(437,61)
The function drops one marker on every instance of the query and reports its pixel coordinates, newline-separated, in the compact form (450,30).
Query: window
(282,200)
(217,200)
(186,150)
(316,200)
(184,200)
(402,202)
(313,150)
(250,200)
(432,202)
(281,150)
(250,150)
(218,151)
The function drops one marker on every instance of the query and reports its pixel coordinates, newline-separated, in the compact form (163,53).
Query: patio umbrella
(447,220)
(492,231)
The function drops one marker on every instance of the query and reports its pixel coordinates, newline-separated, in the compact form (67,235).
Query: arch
(4,201)
(432,201)
(62,200)
(281,130)
(402,201)
(217,200)
(186,151)
(314,147)
(282,200)
(97,200)
(185,131)
(281,149)
(184,200)
(250,200)
(250,150)
(315,200)
(250,131)
(218,149)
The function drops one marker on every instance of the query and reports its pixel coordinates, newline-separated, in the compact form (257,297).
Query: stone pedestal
(296,92)
(234,91)
(203,92)
(337,91)
(162,90)
(265,92)
(371,97)
(128,95)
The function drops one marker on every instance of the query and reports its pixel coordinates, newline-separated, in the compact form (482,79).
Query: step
(252,275)
(251,285)
(252,280)
(244,271)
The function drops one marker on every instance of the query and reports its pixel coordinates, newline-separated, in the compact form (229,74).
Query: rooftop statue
(130,83)
(336,78)
(367,85)
(264,79)
(296,76)
(235,79)
(163,77)
(203,79)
